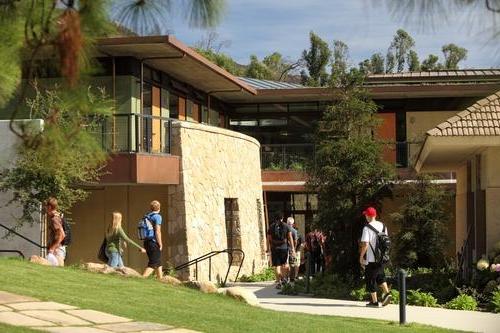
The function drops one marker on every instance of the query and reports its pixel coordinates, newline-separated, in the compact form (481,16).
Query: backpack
(383,246)
(278,233)
(145,229)
(67,231)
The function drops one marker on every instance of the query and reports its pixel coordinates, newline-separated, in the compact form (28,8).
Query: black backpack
(278,233)
(67,231)
(383,246)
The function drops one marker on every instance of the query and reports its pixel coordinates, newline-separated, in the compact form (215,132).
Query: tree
(390,62)
(348,172)
(453,54)
(431,63)
(258,70)
(150,17)
(280,66)
(400,48)
(340,62)
(223,60)
(413,62)
(316,60)
(377,63)
(422,237)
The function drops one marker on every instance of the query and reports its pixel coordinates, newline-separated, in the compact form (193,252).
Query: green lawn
(149,300)
(16,329)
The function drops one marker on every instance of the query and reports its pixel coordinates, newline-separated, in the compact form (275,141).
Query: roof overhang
(448,153)
(169,55)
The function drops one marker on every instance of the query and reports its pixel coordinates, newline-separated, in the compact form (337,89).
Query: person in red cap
(374,271)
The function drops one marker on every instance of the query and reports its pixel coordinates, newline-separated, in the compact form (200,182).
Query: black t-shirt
(276,243)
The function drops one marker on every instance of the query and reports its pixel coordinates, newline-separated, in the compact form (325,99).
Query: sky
(262,27)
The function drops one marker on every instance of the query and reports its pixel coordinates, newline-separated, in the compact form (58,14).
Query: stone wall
(9,213)
(216,164)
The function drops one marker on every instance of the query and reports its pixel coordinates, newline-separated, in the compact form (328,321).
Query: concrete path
(54,317)
(453,319)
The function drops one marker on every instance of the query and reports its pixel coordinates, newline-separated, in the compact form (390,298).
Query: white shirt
(369,236)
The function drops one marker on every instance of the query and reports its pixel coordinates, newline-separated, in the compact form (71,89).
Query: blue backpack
(146,230)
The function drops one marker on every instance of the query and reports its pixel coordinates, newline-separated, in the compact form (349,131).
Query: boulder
(203,286)
(167,279)
(242,294)
(94,267)
(127,271)
(39,260)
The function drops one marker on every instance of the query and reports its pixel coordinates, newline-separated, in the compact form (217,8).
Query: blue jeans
(114,259)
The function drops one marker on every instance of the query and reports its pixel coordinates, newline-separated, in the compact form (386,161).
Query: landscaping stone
(71,329)
(95,267)
(6,297)
(40,306)
(135,326)
(242,295)
(105,269)
(39,260)
(97,317)
(167,279)
(4,308)
(56,317)
(127,271)
(17,319)
(203,286)
(173,330)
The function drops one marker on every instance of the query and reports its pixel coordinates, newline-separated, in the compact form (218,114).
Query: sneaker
(386,299)
(372,305)
(278,285)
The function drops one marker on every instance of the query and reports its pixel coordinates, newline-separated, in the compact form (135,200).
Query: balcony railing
(295,156)
(135,133)
(286,156)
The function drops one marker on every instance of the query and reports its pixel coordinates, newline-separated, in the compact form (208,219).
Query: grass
(148,300)
(16,329)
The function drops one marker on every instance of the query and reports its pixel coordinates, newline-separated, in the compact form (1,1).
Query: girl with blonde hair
(114,236)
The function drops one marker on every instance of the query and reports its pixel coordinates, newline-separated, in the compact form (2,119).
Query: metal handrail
(14,251)
(23,237)
(463,256)
(209,256)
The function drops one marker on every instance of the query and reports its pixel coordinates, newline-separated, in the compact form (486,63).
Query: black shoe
(372,305)
(278,285)
(386,299)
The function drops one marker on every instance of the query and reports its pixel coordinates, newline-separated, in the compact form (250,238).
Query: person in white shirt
(374,271)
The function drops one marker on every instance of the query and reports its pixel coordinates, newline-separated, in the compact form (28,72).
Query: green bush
(420,298)
(359,294)
(395,296)
(266,275)
(495,302)
(462,302)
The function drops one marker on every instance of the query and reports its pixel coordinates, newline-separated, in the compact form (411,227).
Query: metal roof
(433,77)
(268,84)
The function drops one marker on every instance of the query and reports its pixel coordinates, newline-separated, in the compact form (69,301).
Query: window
(174,106)
(204,114)
(233,229)
(189,110)
(214,117)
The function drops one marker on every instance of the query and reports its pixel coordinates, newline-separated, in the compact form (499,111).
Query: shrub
(359,294)
(395,296)
(495,302)
(420,298)
(266,275)
(462,302)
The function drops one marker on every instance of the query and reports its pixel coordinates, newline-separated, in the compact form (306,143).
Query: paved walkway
(54,317)
(454,319)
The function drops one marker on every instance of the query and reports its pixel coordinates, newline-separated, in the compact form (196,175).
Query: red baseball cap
(370,212)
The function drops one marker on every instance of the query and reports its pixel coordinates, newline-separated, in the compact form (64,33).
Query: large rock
(167,279)
(105,269)
(203,286)
(241,294)
(39,260)
(94,267)
(127,271)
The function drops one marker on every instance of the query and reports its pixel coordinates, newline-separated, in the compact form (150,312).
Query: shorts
(374,275)
(279,257)
(153,252)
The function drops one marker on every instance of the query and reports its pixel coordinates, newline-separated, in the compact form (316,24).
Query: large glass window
(189,110)
(174,106)
(272,108)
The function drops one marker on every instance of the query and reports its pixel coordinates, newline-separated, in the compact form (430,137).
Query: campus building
(224,154)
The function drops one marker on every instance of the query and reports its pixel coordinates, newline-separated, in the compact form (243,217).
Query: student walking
(114,236)
(293,256)
(151,223)
(279,236)
(373,258)
(56,250)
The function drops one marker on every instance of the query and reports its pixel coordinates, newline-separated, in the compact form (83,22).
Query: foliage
(359,294)
(495,301)
(176,306)
(222,60)
(148,17)
(64,154)
(395,296)
(258,70)
(266,275)
(399,50)
(413,62)
(316,60)
(374,65)
(462,302)
(453,54)
(422,237)
(348,169)
(339,63)
(420,298)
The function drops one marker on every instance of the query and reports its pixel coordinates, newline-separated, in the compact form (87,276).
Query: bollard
(308,272)
(402,296)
